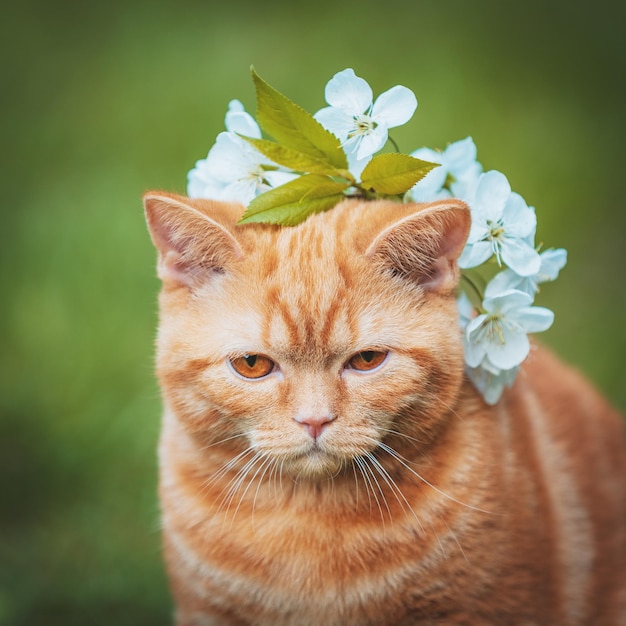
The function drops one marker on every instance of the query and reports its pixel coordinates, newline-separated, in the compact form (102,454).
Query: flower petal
(465,188)
(355,165)
(519,220)
(335,120)
(236,106)
(520,257)
(347,91)
(490,384)
(276,178)
(394,107)
(475,254)
(479,231)
(507,280)
(242,191)
(474,348)
(433,182)
(238,121)
(424,194)
(200,183)
(372,142)
(552,262)
(231,158)
(492,193)
(510,352)
(507,301)
(466,309)
(533,319)
(460,156)
(428,154)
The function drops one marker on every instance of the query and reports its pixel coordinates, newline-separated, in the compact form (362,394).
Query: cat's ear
(191,245)
(424,246)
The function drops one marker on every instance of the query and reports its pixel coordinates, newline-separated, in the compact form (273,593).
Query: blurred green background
(102,101)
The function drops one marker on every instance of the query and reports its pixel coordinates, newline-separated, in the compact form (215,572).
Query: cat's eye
(253,365)
(367,360)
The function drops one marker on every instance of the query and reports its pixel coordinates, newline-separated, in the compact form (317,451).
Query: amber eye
(367,360)
(253,365)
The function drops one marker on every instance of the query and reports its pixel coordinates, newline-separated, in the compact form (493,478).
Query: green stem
(393,143)
(475,289)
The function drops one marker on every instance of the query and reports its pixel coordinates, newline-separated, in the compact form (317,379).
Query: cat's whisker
(358,462)
(454,538)
(405,463)
(379,486)
(224,469)
(280,475)
(267,464)
(356,484)
(397,492)
(402,435)
(271,480)
(221,441)
(370,476)
(453,411)
(236,484)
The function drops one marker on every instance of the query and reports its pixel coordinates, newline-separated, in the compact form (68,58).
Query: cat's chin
(315,464)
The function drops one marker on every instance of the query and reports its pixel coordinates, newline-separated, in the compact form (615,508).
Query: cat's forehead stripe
(306,301)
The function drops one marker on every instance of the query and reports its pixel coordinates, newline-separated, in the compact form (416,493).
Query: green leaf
(294,128)
(294,201)
(293,159)
(394,174)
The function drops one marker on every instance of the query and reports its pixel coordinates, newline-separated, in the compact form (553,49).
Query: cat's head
(310,344)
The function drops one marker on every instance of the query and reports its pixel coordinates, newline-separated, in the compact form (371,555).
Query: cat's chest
(291,561)
(282,550)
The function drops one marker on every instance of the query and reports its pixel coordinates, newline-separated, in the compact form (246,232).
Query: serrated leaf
(293,159)
(293,202)
(293,127)
(394,174)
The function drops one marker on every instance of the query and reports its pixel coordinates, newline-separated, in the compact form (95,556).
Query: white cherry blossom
(497,339)
(234,170)
(457,175)
(362,125)
(502,224)
(552,262)
(491,382)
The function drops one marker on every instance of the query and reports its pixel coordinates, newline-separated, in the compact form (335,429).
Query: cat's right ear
(191,245)
(424,246)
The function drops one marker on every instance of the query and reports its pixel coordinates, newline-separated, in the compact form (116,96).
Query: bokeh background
(102,101)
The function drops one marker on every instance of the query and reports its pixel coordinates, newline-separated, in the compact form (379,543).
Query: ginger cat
(323,458)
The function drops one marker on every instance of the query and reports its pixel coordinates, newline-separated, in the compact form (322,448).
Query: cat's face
(309,345)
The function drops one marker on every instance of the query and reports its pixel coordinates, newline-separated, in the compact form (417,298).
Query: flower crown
(316,161)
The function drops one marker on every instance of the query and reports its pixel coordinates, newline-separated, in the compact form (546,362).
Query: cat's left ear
(424,246)
(192,246)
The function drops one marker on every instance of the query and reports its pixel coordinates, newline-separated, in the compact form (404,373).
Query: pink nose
(315,425)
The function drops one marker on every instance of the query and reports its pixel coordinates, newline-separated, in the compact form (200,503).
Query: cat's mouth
(317,456)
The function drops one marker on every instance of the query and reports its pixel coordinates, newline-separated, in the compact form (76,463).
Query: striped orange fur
(360,479)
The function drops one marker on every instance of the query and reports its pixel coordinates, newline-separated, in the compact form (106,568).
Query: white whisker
(236,484)
(224,469)
(405,463)
(356,484)
(397,492)
(221,441)
(267,464)
(403,435)
(359,464)
(369,476)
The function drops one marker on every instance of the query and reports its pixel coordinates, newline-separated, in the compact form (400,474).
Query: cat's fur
(417,503)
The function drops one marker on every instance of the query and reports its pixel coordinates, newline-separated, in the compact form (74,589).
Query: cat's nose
(315,425)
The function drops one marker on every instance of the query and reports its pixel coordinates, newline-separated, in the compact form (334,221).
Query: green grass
(101,102)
